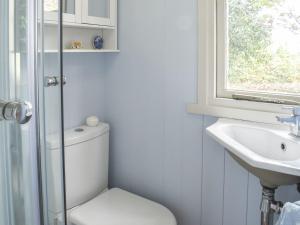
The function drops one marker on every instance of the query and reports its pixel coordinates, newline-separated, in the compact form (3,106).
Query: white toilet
(89,202)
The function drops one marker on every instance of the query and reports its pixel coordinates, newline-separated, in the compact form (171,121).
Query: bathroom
(147,83)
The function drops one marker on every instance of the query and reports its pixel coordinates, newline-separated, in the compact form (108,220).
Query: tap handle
(286,120)
(295,109)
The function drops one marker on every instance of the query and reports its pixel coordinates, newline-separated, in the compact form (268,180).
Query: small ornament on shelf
(76,44)
(98,42)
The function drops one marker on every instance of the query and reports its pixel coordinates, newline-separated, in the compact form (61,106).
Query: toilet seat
(119,207)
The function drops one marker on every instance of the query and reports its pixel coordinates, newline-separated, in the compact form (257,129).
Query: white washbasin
(267,151)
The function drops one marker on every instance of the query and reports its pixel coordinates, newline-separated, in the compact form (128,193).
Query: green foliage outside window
(254,62)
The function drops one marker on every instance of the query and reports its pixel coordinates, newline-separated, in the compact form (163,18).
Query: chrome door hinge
(51,81)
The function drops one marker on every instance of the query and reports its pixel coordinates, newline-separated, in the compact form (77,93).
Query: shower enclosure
(30,113)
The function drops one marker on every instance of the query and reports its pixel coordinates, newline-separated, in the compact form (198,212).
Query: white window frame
(208,101)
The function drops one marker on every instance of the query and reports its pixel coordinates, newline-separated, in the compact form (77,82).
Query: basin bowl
(265,150)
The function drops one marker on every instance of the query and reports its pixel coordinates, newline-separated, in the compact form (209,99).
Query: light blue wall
(155,144)
(158,150)
(83,93)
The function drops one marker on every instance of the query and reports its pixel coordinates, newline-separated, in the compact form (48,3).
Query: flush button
(79,130)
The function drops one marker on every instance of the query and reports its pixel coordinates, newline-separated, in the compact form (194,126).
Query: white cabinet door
(99,12)
(70,8)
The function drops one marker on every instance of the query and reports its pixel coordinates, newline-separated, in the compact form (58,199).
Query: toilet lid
(118,207)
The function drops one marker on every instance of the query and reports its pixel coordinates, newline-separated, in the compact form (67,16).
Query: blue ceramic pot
(98,42)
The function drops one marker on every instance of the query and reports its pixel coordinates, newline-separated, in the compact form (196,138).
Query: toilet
(89,201)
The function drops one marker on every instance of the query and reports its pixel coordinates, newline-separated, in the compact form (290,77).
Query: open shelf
(83,34)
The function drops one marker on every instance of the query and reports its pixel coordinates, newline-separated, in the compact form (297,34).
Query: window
(249,58)
(258,49)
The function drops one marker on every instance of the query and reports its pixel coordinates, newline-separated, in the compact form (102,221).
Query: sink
(267,151)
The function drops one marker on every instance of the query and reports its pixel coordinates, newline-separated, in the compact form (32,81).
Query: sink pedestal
(269,206)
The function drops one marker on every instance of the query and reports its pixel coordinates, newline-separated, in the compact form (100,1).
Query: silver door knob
(18,111)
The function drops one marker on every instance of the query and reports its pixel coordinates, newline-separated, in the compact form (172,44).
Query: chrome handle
(18,111)
(51,81)
(285,119)
(295,109)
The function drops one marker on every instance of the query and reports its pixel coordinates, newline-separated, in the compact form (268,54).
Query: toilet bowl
(116,207)
(89,202)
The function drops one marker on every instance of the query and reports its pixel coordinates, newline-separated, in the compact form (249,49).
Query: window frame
(211,64)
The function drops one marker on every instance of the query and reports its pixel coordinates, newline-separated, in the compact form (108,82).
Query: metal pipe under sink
(269,206)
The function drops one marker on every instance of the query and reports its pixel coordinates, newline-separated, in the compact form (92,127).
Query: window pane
(264,45)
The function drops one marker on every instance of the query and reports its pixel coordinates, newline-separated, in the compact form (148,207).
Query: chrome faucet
(293,121)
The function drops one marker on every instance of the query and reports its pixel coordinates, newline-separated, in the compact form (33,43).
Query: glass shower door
(23,137)
(51,120)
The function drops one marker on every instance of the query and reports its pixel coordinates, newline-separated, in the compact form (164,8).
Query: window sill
(235,109)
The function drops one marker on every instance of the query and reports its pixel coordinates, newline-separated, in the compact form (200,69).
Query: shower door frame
(40,25)
(35,137)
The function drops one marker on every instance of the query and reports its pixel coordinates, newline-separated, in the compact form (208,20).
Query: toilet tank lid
(77,135)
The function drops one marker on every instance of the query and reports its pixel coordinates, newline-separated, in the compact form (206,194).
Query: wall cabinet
(99,12)
(93,12)
(69,7)
(82,20)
